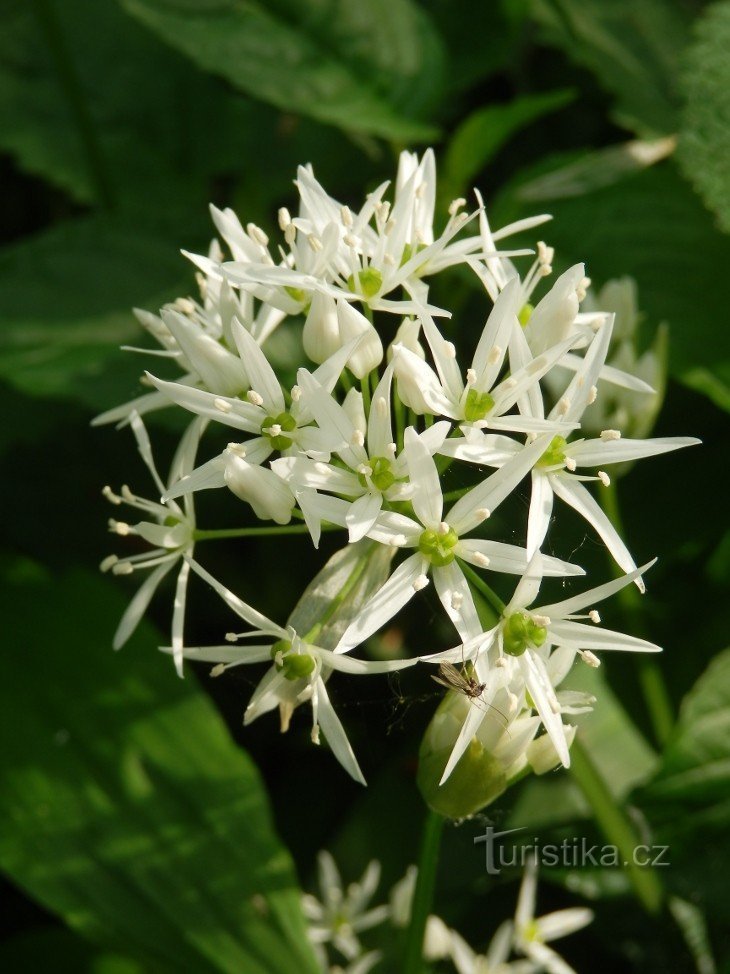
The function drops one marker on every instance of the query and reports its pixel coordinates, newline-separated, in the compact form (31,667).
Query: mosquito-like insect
(454,679)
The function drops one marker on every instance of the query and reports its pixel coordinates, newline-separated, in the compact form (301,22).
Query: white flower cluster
(519,946)
(381,405)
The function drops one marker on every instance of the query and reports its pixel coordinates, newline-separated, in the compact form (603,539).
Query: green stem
(651,679)
(222,533)
(616,826)
(423,893)
(73,90)
(352,580)
(481,586)
(365,389)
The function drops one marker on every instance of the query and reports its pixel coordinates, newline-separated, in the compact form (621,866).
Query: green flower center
(477,405)
(382,475)
(525,313)
(294,666)
(285,423)
(438,547)
(370,281)
(554,456)
(519,631)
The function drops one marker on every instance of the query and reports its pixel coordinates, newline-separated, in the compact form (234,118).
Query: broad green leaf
(29,951)
(66,297)
(652,227)
(87,96)
(687,800)
(348,64)
(483,133)
(705,131)
(632,47)
(127,808)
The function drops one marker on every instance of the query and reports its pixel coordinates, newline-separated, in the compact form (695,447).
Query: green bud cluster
(519,631)
(382,475)
(477,405)
(294,666)
(437,547)
(287,423)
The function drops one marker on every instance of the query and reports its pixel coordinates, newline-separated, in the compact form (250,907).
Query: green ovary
(477,405)
(519,632)
(554,456)
(437,547)
(287,423)
(370,280)
(294,666)
(382,476)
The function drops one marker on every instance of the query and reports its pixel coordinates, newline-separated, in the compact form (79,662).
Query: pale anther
(254,398)
(604,478)
(594,616)
(218,669)
(420,582)
(222,405)
(608,435)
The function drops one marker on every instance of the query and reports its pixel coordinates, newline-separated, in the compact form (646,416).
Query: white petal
(559,610)
(141,599)
(427,500)
(578,392)
(246,612)
(562,923)
(228,653)
(496,334)
(241,415)
(449,580)
(261,377)
(596,453)
(576,495)
(386,602)
(380,427)
(208,475)
(362,515)
(492,491)
(335,734)
(541,509)
(178,616)
(331,417)
(471,725)
(543,695)
(594,637)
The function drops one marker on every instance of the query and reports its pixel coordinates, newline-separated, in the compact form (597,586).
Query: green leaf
(353,63)
(652,227)
(688,798)
(67,296)
(127,809)
(87,96)
(705,131)
(483,133)
(632,47)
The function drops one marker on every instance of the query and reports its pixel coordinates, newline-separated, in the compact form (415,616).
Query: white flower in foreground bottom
(339,915)
(531,934)
(439,541)
(495,960)
(299,672)
(520,646)
(168,527)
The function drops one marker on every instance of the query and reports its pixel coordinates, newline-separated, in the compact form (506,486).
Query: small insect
(454,679)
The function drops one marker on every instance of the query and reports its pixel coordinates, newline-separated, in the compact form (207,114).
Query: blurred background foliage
(142,830)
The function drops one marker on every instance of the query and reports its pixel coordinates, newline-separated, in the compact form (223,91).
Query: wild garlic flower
(298,673)
(533,934)
(338,915)
(169,528)
(440,539)
(555,474)
(534,647)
